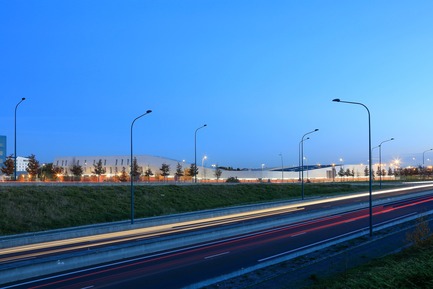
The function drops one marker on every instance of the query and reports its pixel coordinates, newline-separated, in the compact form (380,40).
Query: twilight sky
(259,73)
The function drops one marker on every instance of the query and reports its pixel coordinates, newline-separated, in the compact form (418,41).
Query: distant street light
(302,159)
(263,165)
(195,152)
(423,167)
(299,156)
(369,161)
(380,160)
(423,154)
(15,140)
(202,166)
(282,168)
(132,168)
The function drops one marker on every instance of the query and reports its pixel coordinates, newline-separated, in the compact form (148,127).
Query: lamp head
(336,100)
(23,98)
(205,125)
(316,129)
(149,111)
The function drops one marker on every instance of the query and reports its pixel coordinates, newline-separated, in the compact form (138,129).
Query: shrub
(232,180)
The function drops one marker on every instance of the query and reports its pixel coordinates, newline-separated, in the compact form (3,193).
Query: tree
(379,171)
(193,170)
(148,173)
(98,169)
(32,166)
(136,170)
(366,171)
(348,173)
(390,172)
(218,173)
(46,171)
(8,166)
(123,175)
(341,172)
(165,170)
(179,171)
(56,171)
(76,170)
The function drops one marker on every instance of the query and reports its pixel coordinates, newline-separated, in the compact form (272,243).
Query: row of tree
(32,166)
(424,171)
(53,172)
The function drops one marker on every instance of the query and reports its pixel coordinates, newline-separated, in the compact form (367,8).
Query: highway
(181,267)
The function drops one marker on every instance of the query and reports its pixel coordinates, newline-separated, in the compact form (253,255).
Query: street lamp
(132,168)
(15,140)
(299,158)
(423,170)
(369,161)
(195,152)
(282,168)
(302,160)
(202,166)
(263,165)
(380,160)
(423,154)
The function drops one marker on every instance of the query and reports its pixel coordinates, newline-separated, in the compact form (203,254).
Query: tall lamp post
(282,168)
(299,158)
(195,152)
(15,140)
(132,169)
(302,160)
(202,166)
(380,160)
(369,161)
(423,155)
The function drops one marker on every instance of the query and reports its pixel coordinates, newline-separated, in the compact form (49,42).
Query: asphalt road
(185,266)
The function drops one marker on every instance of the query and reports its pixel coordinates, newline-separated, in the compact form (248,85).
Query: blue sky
(259,73)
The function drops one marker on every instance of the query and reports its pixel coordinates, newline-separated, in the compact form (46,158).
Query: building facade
(114,165)
(22,164)
(3,149)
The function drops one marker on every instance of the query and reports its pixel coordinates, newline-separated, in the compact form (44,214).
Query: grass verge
(37,208)
(411,268)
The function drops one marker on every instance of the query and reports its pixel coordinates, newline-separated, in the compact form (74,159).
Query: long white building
(114,165)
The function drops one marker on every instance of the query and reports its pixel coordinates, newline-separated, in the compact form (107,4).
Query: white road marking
(217,255)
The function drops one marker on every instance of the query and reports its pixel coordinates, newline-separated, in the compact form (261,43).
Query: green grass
(37,208)
(412,268)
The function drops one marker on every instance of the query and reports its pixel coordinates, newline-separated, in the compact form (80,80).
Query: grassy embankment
(411,268)
(36,208)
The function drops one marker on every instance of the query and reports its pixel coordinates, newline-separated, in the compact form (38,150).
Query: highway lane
(181,267)
(45,249)
(62,246)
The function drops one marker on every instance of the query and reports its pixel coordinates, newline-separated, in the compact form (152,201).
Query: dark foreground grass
(412,268)
(37,208)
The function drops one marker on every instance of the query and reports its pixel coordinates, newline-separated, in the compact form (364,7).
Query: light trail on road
(53,247)
(73,244)
(214,250)
(259,247)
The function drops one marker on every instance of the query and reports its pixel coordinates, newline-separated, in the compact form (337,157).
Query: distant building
(114,165)
(3,151)
(22,164)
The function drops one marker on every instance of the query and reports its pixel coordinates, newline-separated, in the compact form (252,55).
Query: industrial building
(114,165)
